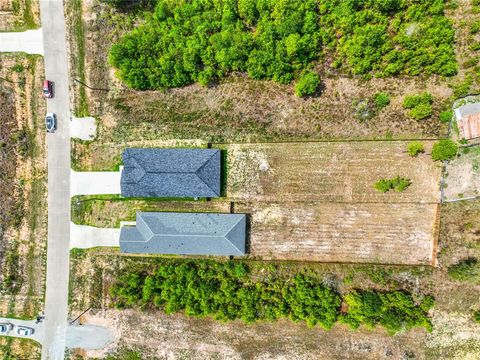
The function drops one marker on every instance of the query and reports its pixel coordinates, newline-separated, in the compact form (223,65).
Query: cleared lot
(317,202)
(332,232)
(329,172)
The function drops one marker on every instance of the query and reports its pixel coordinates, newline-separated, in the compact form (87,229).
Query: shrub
(382,100)
(395,310)
(412,101)
(421,111)
(446,116)
(444,150)
(476,316)
(420,105)
(397,183)
(466,270)
(307,84)
(414,148)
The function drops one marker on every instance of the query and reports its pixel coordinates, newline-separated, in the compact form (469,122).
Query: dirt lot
(329,172)
(454,336)
(332,232)
(22,192)
(463,175)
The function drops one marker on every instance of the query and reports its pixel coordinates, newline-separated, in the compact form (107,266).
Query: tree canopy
(228,291)
(189,41)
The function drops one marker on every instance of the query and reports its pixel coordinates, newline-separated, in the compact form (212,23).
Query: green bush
(307,84)
(414,148)
(395,310)
(397,183)
(420,105)
(202,40)
(228,291)
(475,27)
(446,116)
(444,150)
(382,99)
(466,270)
(476,316)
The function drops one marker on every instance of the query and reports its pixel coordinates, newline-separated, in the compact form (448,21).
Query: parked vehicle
(24,331)
(5,327)
(47,88)
(50,122)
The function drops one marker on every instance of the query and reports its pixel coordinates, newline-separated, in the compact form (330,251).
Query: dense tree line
(228,291)
(188,41)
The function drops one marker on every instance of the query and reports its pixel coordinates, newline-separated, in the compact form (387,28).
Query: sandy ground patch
(463,179)
(179,337)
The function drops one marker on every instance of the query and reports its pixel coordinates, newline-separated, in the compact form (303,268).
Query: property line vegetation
(229,291)
(444,149)
(397,183)
(184,42)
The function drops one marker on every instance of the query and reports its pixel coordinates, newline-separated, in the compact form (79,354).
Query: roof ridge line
(204,164)
(234,226)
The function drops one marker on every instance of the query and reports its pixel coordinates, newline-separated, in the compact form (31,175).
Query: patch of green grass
(81,104)
(27,21)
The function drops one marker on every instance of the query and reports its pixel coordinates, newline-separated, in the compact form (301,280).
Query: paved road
(58,144)
(37,333)
(29,41)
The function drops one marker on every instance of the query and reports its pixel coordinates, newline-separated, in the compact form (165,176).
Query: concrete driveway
(84,237)
(38,329)
(94,182)
(83,128)
(30,41)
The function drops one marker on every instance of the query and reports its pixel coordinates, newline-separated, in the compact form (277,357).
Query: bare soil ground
(455,335)
(463,179)
(331,232)
(22,193)
(329,172)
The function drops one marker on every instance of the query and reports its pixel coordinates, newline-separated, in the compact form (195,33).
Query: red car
(47,89)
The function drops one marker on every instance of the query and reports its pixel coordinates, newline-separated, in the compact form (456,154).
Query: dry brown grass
(329,172)
(332,232)
(24,239)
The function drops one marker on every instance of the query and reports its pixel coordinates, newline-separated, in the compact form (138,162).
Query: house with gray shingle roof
(185,234)
(171,173)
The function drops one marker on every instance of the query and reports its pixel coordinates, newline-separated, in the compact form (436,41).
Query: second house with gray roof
(185,234)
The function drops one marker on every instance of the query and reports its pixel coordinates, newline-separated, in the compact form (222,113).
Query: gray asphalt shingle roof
(185,233)
(171,172)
